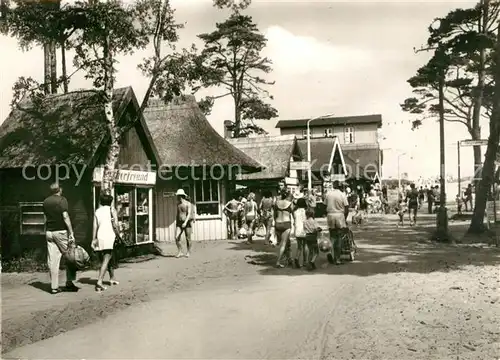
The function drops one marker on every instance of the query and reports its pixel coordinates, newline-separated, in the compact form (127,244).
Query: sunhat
(180,192)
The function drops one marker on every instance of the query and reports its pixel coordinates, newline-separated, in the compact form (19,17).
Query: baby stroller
(348,248)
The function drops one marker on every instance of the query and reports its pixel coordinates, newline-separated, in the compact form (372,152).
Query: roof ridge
(332,117)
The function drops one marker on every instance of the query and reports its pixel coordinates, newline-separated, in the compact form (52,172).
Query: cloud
(294,53)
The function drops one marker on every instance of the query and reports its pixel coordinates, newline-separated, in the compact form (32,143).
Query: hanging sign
(127,176)
(299,165)
(291,181)
(474,143)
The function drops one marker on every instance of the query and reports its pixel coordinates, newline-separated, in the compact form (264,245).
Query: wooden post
(459,179)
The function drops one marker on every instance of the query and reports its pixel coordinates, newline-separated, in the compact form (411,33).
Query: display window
(207,198)
(134,210)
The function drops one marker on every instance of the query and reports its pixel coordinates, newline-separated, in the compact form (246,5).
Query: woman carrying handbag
(105,238)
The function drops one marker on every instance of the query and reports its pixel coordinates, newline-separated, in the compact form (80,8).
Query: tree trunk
(237,119)
(442,216)
(479,90)
(46,68)
(53,68)
(113,129)
(486,181)
(64,70)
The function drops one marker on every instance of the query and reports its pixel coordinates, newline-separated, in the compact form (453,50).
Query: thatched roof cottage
(196,158)
(275,153)
(63,138)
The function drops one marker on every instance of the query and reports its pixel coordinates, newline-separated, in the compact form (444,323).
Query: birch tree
(106,30)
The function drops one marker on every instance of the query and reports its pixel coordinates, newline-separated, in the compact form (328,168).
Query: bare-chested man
(184,222)
(283,215)
(267,213)
(232,211)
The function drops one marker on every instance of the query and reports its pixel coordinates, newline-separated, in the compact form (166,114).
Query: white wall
(363,133)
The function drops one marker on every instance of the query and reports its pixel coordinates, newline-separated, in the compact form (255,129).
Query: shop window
(134,211)
(143,217)
(207,198)
(329,132)
(304,133)
(32,219)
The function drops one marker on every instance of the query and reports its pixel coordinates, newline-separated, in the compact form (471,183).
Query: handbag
(261,230)
(77,256)
(118,239)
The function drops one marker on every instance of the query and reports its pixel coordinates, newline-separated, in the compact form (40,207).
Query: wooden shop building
(275,153)
(196,158)
(63,138)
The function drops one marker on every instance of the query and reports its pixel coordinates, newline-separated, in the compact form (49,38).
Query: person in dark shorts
(283,214)
(251,209)
(312,230)
(59,235)
(184,222)
(231,210)
(412,199)
(421,196)
(468,198)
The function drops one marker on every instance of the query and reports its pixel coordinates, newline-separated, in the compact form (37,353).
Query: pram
(348,248)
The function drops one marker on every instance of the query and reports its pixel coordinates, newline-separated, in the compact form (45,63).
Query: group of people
(412,200)
(60,237)
(290,213)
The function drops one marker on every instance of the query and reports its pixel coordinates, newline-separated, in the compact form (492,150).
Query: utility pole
(459,177)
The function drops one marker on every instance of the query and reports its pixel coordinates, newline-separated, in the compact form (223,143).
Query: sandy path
(403,299)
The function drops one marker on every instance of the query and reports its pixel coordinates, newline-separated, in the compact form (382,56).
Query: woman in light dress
(104,233)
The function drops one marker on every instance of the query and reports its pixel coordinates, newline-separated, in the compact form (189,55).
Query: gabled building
(275,153)
(64,138)
(357,136)
(196,158)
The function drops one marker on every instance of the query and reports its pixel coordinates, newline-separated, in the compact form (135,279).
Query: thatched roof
(356,158)
(64,128)
(274,152)
(184,137)
(342,120)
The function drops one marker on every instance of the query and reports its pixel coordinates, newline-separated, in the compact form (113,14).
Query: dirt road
(403,298)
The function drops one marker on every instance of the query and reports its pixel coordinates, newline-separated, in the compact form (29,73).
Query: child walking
(460,203)
(312,230)
(300,235)
(401,212)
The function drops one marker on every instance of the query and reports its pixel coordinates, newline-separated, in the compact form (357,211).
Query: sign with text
(474,143)
(127,176)
(299,165)
(291,181)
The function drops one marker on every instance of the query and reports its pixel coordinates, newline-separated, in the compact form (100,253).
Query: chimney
(228,132)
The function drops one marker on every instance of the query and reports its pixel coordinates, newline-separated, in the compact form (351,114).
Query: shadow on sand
(384,248)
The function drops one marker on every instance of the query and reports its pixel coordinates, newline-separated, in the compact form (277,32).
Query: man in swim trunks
(412,199)
(337,209)
(184,222)
(266,213)
(250,216)
(283,213)
(231,210)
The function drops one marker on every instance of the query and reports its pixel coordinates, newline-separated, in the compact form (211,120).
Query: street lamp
(309,171)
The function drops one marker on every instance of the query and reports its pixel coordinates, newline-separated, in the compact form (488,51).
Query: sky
(346,58)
